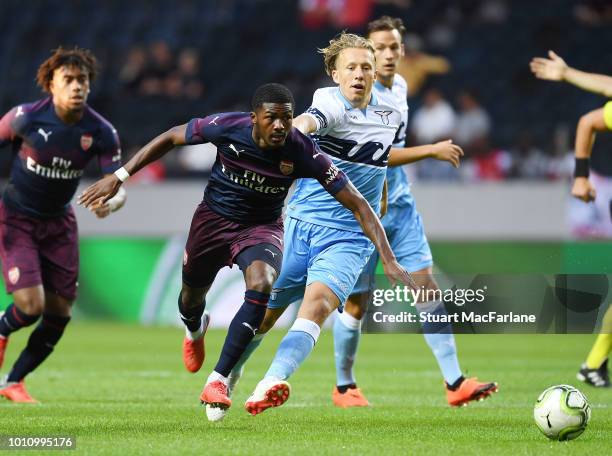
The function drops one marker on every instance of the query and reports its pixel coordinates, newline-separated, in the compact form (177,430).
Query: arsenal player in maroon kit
(54,139)
(239,220)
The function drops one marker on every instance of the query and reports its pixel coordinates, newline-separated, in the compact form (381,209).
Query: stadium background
(506,210)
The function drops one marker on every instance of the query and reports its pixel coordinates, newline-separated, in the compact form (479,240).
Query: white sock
(349,321)
(214,376)
(195,335)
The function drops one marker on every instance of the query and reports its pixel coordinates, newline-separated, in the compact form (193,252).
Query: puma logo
(212,122)
(278,239)
(44,134)
(231,146)
(254,330)
(271,253)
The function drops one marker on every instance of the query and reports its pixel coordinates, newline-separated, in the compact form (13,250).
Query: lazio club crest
(286,167)
(86,141)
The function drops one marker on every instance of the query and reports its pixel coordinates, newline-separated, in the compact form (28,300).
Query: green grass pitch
(123,390)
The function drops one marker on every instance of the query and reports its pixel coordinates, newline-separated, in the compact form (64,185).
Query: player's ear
(253,117)
(402,50)
(335,77)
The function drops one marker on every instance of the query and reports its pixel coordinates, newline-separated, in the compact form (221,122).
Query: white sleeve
(326,109)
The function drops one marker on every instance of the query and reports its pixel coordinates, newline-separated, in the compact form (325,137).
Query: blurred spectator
(593,13)
(186,81)
(158,69)
(487,163)
(417,66)
(561,160)
(529,161)
(435,120)
(473,122)
(132,71)
(493,11)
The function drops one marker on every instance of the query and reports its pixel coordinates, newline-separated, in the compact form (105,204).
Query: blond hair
(340,43)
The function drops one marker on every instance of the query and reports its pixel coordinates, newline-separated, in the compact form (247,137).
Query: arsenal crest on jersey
(13,275)
(286,167)
(86,141)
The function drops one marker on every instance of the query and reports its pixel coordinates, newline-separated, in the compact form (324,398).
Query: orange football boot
(352,397)
(470,390)
(215,394)
(193,350)
(16,392)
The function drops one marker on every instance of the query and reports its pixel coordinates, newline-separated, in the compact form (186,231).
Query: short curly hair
(339,44)
(272,93)
(78,57)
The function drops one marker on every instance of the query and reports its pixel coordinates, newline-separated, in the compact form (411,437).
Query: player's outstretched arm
(588,125)
(350,198)
(100,192)
(554,68)
(443,151)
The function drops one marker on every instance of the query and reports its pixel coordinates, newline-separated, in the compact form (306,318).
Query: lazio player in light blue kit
(405,231)
(325,248)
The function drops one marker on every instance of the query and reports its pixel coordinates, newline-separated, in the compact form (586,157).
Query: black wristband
(582,167)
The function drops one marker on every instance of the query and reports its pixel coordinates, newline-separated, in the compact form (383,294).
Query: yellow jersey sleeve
(608,114)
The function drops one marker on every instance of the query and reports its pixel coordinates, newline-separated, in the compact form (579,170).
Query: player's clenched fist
(583,189)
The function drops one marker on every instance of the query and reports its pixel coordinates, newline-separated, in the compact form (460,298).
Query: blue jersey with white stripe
(358,142)
(398,186)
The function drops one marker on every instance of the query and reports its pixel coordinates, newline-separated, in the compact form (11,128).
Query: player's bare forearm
(588,125)
(405,155)
(305,123)
(591,82)
(443,151)
(554,68)
(156,149)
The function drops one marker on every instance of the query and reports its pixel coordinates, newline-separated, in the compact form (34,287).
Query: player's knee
(261,279)
(318,308)
(31,303)
(192,297)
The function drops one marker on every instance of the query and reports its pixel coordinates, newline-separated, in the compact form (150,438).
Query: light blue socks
(347,332)
(294,348)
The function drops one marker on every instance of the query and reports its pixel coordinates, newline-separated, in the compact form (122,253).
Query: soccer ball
(562,412)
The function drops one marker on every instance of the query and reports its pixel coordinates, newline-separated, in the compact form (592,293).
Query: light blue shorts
(316,253)
(406,235)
